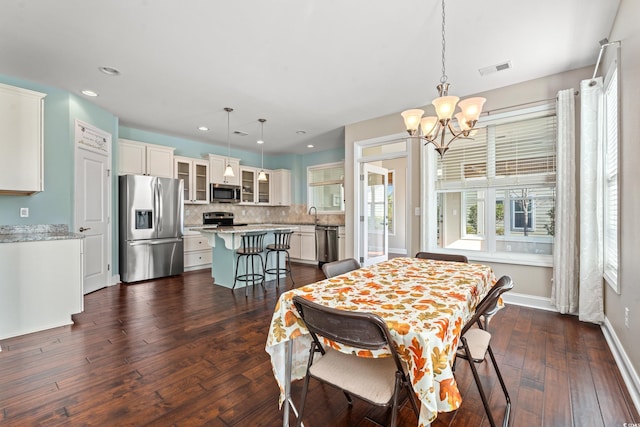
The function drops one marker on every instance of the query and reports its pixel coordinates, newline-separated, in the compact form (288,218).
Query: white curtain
(564,292)
(591,204)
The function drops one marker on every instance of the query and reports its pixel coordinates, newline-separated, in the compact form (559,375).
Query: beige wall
(626,30)
(529,280)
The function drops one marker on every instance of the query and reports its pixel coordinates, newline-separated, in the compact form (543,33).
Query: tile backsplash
(294,214)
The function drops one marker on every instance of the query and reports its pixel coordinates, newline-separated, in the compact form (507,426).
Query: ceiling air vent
(495,68)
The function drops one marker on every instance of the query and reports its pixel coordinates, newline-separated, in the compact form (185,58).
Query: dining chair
(442,257)
(374,380)
(336,268)
(251,248)
(475,344)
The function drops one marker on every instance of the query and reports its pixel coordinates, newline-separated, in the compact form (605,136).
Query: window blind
(611,180)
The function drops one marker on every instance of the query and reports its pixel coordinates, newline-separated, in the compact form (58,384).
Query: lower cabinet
(197,252)
(341,243)
(303,244)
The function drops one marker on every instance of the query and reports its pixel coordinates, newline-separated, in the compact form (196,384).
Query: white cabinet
(140,158)
(253,191)
(303,243)
(217,165)
(281,187)
(197,252)
(21,140)
(41,285)
(195,174)
(341,243)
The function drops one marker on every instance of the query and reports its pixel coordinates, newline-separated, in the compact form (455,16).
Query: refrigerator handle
(159,204)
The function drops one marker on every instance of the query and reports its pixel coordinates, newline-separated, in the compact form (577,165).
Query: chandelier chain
(443,79)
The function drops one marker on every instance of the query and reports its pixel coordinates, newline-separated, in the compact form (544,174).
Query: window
(325,187)
(391,203)
(610,177)
(495,193)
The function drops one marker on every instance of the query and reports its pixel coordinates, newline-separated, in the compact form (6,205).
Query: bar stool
(281,243)
(251,248)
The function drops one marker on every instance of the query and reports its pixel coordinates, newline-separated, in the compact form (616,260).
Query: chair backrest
(336,268)
(253,242)
(442,257)
(282,239)
(490,301)
(351,328)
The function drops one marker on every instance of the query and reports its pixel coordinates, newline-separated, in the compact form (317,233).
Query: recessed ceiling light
(310,146)
(109,71)
(203,128)
(259,141)
(89,93)
(301,132)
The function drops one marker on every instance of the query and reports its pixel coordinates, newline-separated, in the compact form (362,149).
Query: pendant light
(262,176)
(228,171)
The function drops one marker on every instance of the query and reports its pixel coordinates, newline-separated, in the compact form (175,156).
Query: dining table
(425,303)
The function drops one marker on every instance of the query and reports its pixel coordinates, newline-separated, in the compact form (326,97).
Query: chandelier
(440,131)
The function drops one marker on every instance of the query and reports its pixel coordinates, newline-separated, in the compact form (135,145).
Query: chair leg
(287,264)
(246,272)
(476,377)
(236,275)
(277,269)
(394,403)
(507,411)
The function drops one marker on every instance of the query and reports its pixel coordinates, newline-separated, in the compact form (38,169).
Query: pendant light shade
(262,176)
(228,171)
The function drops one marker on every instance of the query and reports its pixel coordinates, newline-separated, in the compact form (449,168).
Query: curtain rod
(603,44)
(524,104)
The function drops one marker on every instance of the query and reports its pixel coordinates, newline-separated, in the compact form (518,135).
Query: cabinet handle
(84,229)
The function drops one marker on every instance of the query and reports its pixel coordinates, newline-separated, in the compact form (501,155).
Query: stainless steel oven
(224,193)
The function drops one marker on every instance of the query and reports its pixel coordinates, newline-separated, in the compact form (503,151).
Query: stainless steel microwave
(224,193)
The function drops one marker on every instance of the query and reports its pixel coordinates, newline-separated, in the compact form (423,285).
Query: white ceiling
(312,65)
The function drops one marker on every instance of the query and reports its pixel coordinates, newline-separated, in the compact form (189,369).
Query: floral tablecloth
(425,304)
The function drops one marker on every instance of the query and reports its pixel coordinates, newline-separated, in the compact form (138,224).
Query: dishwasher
(326,243)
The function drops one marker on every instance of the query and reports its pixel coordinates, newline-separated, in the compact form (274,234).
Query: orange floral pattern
(425,303)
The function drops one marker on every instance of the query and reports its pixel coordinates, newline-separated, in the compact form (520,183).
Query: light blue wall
(296,163)
(54,205)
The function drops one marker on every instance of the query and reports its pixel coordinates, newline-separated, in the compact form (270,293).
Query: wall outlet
(626,317)
(24,212)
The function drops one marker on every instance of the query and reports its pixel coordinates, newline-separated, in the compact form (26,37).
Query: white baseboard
(530,301)
(629,374)
(399,251)
(114,280)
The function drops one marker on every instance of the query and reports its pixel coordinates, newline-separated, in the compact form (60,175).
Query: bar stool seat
(281,243)
(252,246)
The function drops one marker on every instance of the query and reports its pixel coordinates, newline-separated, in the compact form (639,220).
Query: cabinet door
(159,161)
(132,158)
(200,181)
(264,189)
(182,170)
(217,165)
(281,187)
(21,145)
(341,243)
(308,246)
(247,185)
(295,246)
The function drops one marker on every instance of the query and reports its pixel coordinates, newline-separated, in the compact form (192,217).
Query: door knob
(84,229)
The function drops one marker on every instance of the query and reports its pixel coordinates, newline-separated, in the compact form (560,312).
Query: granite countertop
(36,233)
(242,229)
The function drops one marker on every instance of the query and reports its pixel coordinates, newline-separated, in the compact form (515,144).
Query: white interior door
(92,207)
(374,219)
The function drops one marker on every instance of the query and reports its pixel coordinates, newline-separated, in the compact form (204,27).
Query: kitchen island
(225,240)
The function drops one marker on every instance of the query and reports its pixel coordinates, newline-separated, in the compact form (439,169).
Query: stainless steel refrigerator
(151,227)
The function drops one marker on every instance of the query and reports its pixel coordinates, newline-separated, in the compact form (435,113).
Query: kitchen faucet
(315,211)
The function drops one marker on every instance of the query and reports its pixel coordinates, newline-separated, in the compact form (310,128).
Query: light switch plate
(24,212)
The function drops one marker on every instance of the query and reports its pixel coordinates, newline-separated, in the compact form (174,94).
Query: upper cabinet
(195,173)
(140,158)
(253,191)
(217,165)
(281,187)
(21,140)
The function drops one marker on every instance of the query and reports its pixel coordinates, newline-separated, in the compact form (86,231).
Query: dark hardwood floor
(181,351)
